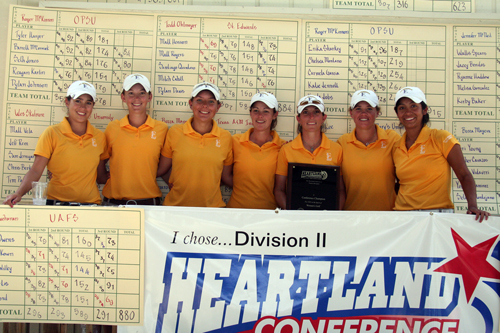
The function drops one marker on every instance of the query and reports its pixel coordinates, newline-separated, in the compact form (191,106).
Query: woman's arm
(163,167)
(102,174)
(457,163)
(227,175)
(33,175)
(342,194)
(280,191)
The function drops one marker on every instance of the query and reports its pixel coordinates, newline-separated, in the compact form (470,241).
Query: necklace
(313,147)
(372,140)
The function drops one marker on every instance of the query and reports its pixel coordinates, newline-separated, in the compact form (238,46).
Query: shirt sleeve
(44,146)
(339,155)
(166,151)
(108,133)
(229,157)
(104,145)
(282,164)
(393,138)
(446,141)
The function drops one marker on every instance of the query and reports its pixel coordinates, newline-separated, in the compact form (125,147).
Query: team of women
(381,170)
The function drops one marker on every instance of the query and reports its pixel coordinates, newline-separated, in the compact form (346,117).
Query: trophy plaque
(312,187)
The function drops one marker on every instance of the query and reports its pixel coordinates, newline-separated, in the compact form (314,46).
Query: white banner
(235,270)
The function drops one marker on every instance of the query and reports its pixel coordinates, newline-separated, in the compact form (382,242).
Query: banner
(235,270)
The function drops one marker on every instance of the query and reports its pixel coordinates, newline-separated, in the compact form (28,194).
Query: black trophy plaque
(312,187)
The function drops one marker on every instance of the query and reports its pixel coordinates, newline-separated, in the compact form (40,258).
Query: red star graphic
(471,263)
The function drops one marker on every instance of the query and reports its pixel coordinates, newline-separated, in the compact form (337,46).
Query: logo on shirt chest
(383,144)
(422,149)
(153,135)
(328,156)
(94,143)
(217,143)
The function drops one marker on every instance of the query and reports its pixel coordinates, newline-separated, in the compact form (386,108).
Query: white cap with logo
(413,93)
(367,96)
(308,100)
(78,88)
(206,86)
(266,98)
(133,79)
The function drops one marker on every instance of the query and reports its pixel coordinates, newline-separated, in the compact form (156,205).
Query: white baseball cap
(78,88)
(313,100)
(367,96)
(133,79)
(206,86)
(266,98)
(413,93)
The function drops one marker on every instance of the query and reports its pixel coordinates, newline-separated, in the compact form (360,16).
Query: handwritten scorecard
(476,111)
(71,265)
(240,56)
(341,58)
(456,66)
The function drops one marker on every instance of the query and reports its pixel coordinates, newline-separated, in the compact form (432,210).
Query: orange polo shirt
(368,171)
(253,172)
(134,154)
(197,163)
(73,161)
(328,153)
(423,170)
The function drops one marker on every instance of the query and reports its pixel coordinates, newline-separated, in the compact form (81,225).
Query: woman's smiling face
(204,106)
(410,114)
(262,116)
(311,119)
(137,99)
(364,115)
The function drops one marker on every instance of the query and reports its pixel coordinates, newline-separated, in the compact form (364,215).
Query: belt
(437,210)
(146,202)
(51,202)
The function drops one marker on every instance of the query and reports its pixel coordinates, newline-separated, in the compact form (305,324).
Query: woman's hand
(480,214)
(457,162)
(33,175)
(12,199)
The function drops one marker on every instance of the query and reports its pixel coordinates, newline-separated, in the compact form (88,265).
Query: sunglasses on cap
(310,100)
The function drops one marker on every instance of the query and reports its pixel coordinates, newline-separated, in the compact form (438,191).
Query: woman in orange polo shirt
(199,152)
(71,150)
(368,150)
(255,154)
(134,145)
(423,158)
(310,146)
